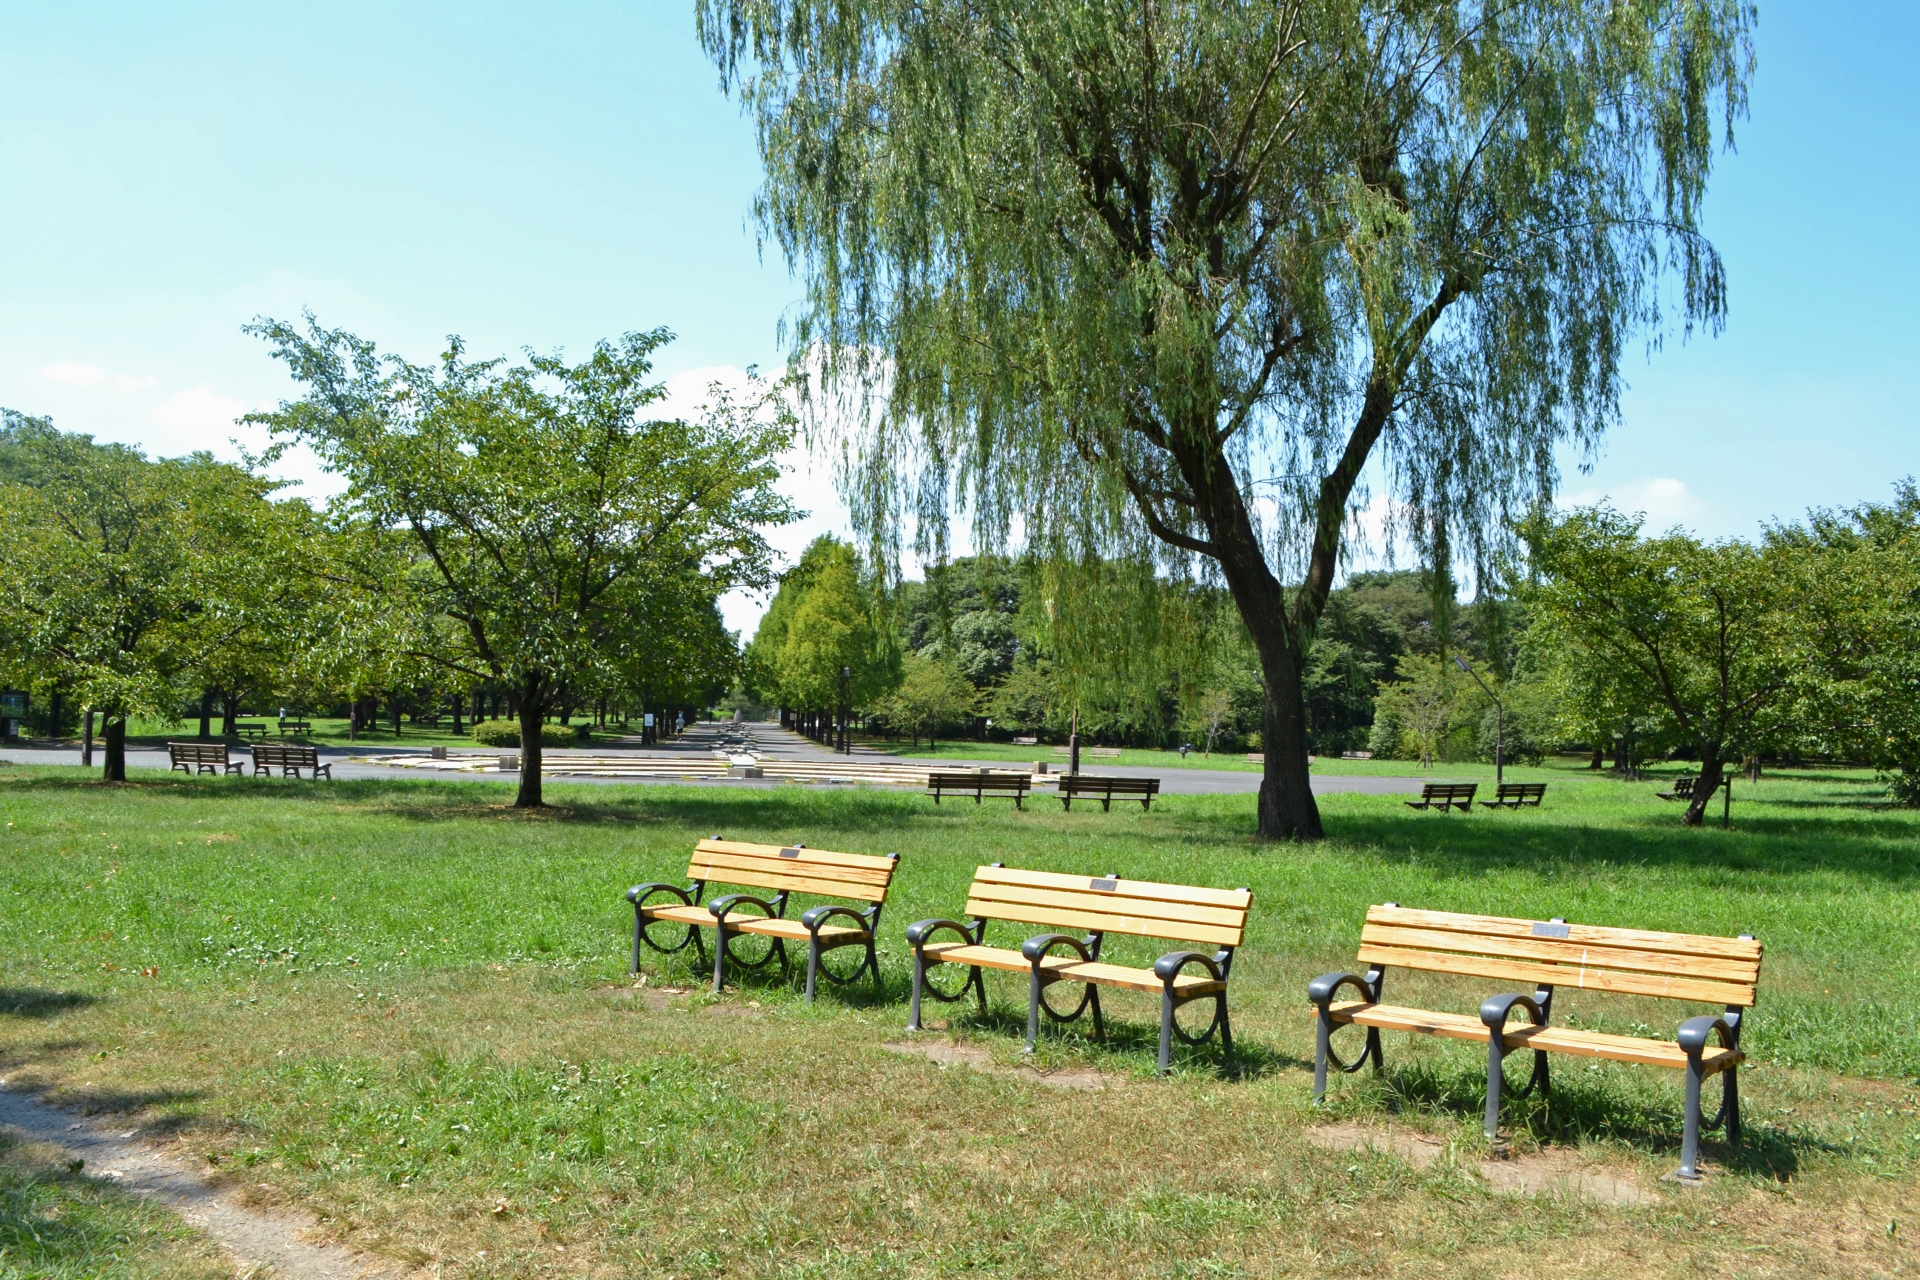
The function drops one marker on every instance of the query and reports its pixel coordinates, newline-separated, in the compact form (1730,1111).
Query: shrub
(506,733)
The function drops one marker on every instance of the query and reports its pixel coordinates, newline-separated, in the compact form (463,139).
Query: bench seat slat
(1539,973)
(1085,900)
(1094,922)
(1590,1044)
(1147,889)
(1504,927)
(821,857)
(775,928)
(990,957)
(1591,955)
(1114,975)
(795,883)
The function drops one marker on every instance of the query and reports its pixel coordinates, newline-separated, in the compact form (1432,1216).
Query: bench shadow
(1578,1111)
(36,1002)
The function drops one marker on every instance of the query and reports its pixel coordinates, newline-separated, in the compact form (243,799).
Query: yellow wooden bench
(1551,954)
(787,870)
(1100,905)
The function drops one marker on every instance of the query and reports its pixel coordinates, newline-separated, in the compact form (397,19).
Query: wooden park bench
(980,783)
(1446,795)
(289,759)
(1107,790)
(1100,905)
(1682,788)
(295,726)
(1511,795)
(254,729)
(1551,954)
(1025,742)
(788,870)
(201,757)
(1091,753)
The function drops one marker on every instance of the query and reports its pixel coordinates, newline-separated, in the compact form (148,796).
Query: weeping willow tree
(1193,282)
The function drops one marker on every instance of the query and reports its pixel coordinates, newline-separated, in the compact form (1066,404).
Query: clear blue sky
(545,175)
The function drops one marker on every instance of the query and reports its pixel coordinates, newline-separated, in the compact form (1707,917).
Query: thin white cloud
(198,414)
(74,373)
(1663,501)
(127,382)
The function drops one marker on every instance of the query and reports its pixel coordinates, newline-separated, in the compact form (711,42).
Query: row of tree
(532,532)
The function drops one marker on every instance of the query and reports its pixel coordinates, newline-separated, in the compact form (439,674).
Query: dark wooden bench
(1100,905)
(1106,790)
(1682,788)
(1091,753)
(289,759)
(254,729)
(295,726)
(980,783)
(1446,795)
(789,869)
(1511,795)
(201,757)
(1550,954)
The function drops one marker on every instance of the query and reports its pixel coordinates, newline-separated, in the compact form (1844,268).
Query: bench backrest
(794,868)
(1521,789)
(1437,790)
(973,778)
(289,756)
(1679,966)
(197,752)
(1185,913)
(1096,782)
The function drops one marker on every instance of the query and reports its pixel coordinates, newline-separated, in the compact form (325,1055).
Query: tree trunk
(206,714)
(1704,788)
(530,721)
(116,749)
(229,711)
(86,742)
(459,704)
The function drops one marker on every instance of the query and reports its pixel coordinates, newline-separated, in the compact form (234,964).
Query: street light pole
(1499,724)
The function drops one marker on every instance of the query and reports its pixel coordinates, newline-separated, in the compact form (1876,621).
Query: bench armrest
(1693,1034)
(1035,948)
(920,930)
(1324,988)
(721,906)
(1168,966)
(1494,1010)
(641,892)
(814,917)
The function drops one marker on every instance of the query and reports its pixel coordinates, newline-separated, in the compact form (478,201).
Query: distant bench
(1446,795)
(1682,789)
(1092,753)
(1547,955)
(1085,786)
(1511,795)
(289,759)
(200,757)
(255,729)
(980,783)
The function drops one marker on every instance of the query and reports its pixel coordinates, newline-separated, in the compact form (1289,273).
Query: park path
(257,1239)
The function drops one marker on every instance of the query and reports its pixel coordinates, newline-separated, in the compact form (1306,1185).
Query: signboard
(649,720)
(13,705)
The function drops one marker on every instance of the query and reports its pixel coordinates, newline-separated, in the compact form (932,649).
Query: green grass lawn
(406,1006)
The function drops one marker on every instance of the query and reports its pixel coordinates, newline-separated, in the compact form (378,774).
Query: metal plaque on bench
(1550,931)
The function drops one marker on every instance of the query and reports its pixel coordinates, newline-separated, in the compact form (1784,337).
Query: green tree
(536,504)
(1112,273)
(932,695)
(822,618)
(1707,627)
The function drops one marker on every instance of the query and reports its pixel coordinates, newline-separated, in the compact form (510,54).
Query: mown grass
(406,1006)
(57,1223)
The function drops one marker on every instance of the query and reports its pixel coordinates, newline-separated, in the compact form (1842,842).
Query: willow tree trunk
(115,727)
(531,700)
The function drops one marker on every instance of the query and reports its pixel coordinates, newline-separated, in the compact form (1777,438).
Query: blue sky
(545,175)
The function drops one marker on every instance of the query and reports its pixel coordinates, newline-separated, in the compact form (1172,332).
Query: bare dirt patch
(655,999)
(1537,1173)
(951,1053)
(260,1240)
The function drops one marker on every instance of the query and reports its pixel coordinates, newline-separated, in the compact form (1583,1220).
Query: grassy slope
(408,1005)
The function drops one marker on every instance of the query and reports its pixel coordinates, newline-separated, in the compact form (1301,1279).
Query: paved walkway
(765,740)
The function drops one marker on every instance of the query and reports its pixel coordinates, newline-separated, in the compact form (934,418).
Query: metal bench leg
(638,925)
(1099,1024)
(1496,1051)
(919,976)
(1226,1030)
(1690,1136)
(813,966)
(873,966)
(1322,1046)
(1166,1031)
(719,958)
(1730,1081)
(1033,1008)
(979,981)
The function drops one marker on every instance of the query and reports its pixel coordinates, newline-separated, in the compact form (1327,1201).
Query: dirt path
(257,1239)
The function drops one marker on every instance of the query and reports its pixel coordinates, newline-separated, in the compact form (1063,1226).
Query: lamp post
(1499,724)
(846,694)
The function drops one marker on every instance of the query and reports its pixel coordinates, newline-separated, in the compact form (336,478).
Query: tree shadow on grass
(36,1002)
(1580,1111)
